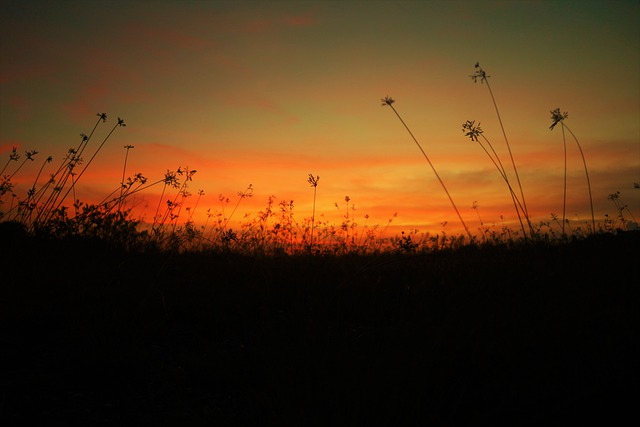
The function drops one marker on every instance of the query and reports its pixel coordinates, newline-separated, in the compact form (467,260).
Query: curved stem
(586,171)
(434,171)
(513,163)
(514,198)
(564,192)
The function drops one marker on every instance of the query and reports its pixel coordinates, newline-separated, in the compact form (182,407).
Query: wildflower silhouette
(475,207)
(474,131)
(62,175)
(124,169)
(388,101)
(557,117)
(14,156)
(313,181)
(102,117)
(620,207)
(481,75)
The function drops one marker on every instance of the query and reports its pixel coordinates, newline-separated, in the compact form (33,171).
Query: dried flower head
(479,74)
(387,100)
(557,117)
(313,180)
(14,155)
(473,131)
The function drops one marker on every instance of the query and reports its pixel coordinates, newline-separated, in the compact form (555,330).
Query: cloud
(20,106)
(270,24)
(300,20)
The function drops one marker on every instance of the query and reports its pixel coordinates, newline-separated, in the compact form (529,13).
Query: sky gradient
(265,93)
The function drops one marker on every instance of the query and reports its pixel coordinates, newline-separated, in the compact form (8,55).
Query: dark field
(526,335)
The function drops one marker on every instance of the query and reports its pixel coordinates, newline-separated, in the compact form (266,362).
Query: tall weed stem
(389,101)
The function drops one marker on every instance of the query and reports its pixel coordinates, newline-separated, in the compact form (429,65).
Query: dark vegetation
(95,333)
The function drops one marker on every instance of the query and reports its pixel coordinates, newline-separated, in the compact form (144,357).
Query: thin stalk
(248,193)
(155,216)
(557,116)
(314,183)
(506,140)
(73,158)
(74,182)
(564,184)
(388,101)
(313,216)
(29,156)
(503,174)
(124,169)
(586,171)
(484,78)
(193,210)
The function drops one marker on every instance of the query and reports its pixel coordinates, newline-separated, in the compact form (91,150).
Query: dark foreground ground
(527,336)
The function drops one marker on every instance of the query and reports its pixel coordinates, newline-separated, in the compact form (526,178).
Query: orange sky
(265,93)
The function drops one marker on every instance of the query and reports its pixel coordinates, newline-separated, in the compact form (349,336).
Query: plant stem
(126,156)
(586,171)
(313,216)
(506,140)
(498,164)
(564,189)
(434,170)
(74,182)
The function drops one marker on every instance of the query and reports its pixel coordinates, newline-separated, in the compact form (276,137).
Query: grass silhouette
(475,132)
(387,101)
(483,77)
(558,117)
(313,181)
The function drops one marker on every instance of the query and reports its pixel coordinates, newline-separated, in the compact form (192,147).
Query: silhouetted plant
(475,132)
(241,196)
(64,171)
(67,170)
(103,117)
(30,203)
(6,184)
(313,181)
(192,211)
(269,233)
(170,180)
(14,156)
(558,117)
(483,77)
(620,208)
(124,171)
(388,101)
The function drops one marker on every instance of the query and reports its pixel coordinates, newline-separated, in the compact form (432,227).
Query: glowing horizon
(266,93)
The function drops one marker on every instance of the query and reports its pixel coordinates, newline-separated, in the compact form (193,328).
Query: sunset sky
(267,92)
